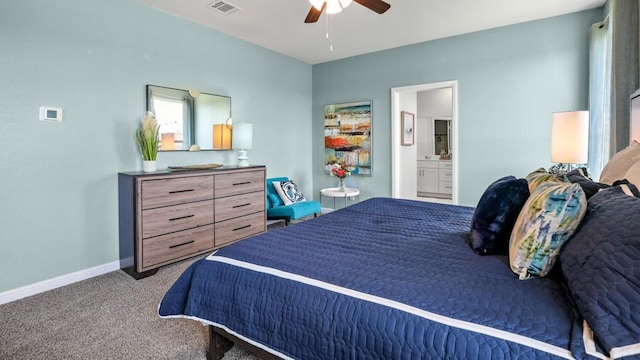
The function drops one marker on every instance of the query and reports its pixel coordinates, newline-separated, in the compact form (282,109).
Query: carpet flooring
(111,316)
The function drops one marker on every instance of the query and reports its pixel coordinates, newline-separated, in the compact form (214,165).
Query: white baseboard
(46,285)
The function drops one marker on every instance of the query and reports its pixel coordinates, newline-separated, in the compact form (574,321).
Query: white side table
(335,193)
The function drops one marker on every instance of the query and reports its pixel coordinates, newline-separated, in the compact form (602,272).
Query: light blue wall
(58,181)
(510,80)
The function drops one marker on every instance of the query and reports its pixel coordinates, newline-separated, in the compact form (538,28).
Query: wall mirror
(188,117)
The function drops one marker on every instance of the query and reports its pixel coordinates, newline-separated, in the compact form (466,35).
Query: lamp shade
(242,136)
(221,136)
(570,137)
(167,141)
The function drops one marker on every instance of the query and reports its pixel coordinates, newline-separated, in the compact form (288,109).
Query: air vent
(224,7)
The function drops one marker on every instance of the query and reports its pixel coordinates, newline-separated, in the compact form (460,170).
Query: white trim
(617,352)
(589,344)
(46,285)
(482,329)
(206,322)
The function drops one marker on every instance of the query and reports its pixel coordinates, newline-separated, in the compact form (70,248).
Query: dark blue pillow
(601,263)
(496,214)
(580,177)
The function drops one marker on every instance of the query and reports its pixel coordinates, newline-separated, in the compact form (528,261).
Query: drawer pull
(181,217)
(242,227)
(183,244)
(239,206)
(242,183)
(181,191)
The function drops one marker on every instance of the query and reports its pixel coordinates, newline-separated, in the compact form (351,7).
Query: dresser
(168,216)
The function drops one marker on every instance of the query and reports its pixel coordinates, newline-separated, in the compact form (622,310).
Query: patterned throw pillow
(540,177)
(601,263)
(549,217)
(288,192)
(497,211)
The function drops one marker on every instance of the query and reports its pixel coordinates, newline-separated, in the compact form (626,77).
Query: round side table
(335,193)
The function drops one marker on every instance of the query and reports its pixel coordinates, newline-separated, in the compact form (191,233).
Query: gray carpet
(111,316)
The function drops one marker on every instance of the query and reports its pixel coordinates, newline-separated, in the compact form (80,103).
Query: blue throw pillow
(580,177)
(601,263)
(495,215)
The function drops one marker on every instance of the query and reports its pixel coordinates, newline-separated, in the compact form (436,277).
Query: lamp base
(242,159)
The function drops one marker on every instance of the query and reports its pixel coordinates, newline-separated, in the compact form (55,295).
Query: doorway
(404,159)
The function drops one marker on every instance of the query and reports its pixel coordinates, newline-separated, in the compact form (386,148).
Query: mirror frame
(195,122)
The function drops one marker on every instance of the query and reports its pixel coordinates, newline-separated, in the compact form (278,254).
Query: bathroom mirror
(187,117)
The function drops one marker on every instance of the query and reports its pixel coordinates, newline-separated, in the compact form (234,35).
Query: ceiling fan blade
(314,14)
(378,6)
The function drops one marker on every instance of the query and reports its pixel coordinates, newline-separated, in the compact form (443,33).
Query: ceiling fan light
(345,3)
(333,7)
(317,4)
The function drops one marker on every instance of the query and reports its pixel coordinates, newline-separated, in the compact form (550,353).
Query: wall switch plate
(50,114)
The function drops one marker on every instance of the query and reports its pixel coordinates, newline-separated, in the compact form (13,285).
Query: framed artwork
(408,127)
(347,136)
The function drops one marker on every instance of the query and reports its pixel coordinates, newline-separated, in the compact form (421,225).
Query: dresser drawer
(239,205)
(178,190)
(238,228)
(445,165)
(170,247)
(445,187)
(428,164)
(239,183)
(175,218)
(445,174)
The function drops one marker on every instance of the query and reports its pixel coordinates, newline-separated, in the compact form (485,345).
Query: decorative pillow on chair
(495,215)
(540,177)
(549,217)
(601,265)
(590,187)
(288,192)
(620,163)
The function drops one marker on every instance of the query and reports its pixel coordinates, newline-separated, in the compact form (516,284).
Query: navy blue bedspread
(381,279)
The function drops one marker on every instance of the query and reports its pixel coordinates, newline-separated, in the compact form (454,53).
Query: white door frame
(396,171)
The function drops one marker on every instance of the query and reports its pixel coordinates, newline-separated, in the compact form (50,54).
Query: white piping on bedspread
(618,352)
(482,329)
(239,336)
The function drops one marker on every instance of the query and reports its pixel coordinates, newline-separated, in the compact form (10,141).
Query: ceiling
(279,25)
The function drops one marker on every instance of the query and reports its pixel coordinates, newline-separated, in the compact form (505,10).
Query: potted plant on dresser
(147,137)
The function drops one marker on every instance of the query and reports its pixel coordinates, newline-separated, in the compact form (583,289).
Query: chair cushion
(273,200)
(296,210)
(495,215)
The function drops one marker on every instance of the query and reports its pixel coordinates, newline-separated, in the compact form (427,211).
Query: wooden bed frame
(220,341)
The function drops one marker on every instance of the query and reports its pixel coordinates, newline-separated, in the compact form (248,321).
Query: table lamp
(242,138)
(570,138)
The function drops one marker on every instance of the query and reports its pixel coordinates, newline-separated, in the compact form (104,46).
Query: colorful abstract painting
(347,136)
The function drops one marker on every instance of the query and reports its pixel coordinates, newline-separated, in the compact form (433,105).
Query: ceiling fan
(335,6)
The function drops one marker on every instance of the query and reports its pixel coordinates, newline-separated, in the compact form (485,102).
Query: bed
(382,279)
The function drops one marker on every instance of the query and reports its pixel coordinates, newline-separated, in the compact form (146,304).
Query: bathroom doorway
(431,103)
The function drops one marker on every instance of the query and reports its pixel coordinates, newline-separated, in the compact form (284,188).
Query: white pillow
(620,163)
(288,192)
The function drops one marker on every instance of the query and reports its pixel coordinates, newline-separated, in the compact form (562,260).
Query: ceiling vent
(224,7)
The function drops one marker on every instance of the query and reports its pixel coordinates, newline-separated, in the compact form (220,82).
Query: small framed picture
(408,127)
